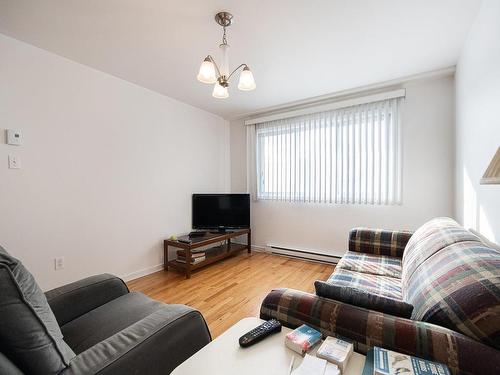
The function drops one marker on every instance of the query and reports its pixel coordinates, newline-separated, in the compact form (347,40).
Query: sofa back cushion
(427,240)
(458,287)
(29,334)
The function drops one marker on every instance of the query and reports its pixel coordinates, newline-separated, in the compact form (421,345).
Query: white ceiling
(296,49)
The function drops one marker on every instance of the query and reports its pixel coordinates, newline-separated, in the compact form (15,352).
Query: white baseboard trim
(140,273)
(314,256)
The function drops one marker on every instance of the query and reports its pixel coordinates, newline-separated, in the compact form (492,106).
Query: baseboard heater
(304,254)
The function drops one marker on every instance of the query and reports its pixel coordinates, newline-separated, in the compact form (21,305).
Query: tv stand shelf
(212,254)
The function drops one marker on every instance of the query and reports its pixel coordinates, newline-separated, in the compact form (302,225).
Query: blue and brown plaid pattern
(428,229)
(381,285)
(459,288)
(425,244)
(374,264)
(368,328)
(362,298)
(378,241)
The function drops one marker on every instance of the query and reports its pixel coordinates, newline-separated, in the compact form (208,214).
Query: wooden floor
(234,288)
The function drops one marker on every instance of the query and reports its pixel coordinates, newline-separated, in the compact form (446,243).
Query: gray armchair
(105,328)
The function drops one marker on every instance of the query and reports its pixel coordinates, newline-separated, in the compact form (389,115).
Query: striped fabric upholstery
(459,288)
(363,298)
(378,241)
(426,230)
(368,328)
(373,264)
(381,285)
(432,237)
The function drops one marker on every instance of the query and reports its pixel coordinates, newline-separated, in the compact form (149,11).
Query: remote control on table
(260,332)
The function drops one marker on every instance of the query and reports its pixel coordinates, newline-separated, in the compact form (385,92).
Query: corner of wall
(477,134)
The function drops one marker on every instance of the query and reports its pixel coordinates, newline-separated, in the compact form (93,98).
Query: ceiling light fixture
(211,73)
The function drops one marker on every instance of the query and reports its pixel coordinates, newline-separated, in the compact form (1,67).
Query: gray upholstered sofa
(92,326)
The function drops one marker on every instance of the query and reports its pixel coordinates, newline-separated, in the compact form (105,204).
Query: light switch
(14,162)
(58,263)
(14,137)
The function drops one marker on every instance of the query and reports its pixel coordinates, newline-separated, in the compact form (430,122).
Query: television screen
(211,211)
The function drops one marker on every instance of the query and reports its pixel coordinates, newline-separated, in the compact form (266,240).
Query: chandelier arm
(234,71)
(215,64)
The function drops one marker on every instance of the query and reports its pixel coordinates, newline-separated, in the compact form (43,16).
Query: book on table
(387,362)
(302,339)
(193,260)
(336,351)
(194,254)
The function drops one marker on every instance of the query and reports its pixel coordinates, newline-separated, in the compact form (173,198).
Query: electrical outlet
(59,263)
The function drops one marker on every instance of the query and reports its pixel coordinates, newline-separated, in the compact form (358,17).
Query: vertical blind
(347,156)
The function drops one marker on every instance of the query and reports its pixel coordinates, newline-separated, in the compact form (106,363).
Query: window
(349,155)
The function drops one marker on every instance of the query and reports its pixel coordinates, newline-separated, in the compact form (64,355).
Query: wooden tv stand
(212,254)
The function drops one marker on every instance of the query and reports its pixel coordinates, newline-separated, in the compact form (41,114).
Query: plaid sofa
(434,293)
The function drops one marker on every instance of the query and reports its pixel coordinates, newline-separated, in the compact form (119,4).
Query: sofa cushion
(154,345)
(378,241)
(29,333)
(108,319)
(373,264)
(381,285)
(429,239)
(362,298)
(459,288)
(7,367)
(425,230)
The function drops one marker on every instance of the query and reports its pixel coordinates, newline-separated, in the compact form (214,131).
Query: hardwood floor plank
(234,288)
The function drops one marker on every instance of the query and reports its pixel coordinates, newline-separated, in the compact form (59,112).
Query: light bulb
(220,92)
(207,72)
(246,83)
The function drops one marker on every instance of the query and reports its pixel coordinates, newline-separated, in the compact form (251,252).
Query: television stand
(212,254)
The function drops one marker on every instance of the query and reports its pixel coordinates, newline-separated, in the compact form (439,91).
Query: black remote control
(260,332)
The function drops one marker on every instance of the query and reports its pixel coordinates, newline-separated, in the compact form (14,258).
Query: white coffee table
(270,356)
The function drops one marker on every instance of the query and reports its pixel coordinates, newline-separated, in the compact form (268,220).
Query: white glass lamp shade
(220,92)
(207,72)
(246,83)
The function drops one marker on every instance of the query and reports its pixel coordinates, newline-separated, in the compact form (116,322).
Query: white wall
(478,122)
(107,166)
(428,153)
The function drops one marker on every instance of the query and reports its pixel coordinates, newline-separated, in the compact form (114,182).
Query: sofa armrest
(368,328)
(379,241)
(154,345)
(70,301)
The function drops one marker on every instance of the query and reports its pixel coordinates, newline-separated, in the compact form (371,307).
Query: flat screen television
(221,211)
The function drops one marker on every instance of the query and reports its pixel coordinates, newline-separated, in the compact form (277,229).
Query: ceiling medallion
(219,76)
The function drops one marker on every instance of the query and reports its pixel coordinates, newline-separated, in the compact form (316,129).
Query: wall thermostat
(14,137)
